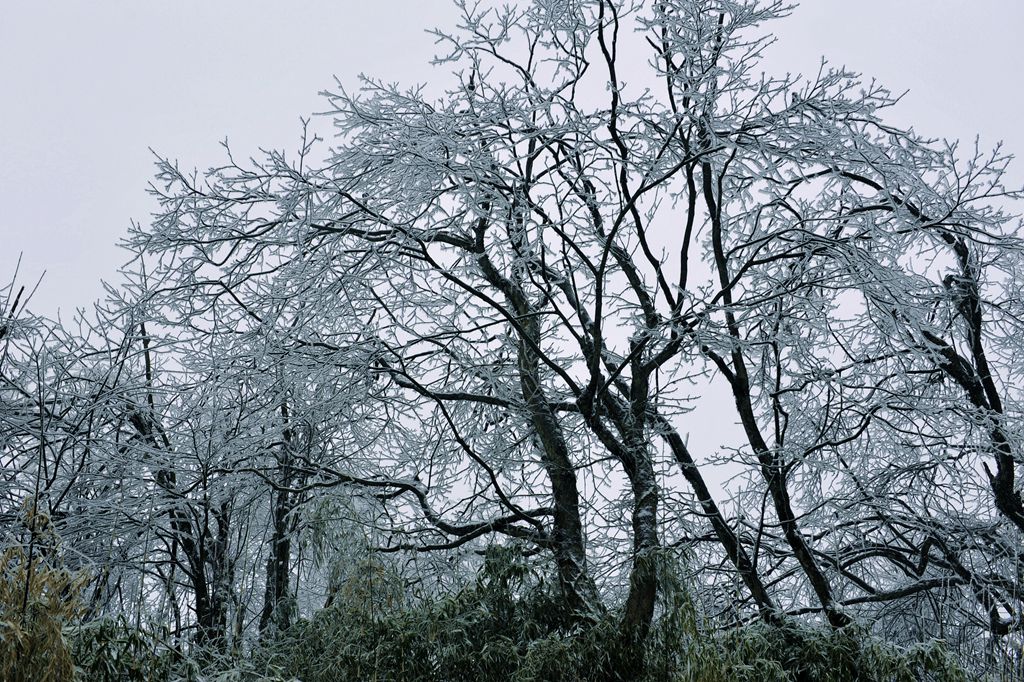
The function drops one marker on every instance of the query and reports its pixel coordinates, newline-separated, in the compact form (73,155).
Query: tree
(488,316)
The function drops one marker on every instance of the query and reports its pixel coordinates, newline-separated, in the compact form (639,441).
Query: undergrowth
(505,626)
(38,596)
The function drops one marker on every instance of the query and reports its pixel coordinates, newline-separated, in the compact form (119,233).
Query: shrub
(38,596)
(506,626)
(111,650)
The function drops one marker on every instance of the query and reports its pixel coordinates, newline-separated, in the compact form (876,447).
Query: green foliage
(109,650)
(506,626)
(794,653)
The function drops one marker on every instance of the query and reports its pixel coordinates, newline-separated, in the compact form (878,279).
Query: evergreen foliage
(506,626)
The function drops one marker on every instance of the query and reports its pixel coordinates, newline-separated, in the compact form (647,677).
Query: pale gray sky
(87,88)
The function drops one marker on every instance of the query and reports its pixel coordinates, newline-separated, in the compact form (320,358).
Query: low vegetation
(504,626)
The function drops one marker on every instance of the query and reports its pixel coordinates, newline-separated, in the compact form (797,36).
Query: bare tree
(489,315)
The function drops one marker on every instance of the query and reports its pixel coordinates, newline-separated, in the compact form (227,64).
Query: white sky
(86,88)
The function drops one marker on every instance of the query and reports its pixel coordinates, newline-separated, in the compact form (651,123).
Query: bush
(797,653)
(506,626)
(38,596)
(110,650)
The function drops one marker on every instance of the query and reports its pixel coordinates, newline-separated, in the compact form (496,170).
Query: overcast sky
(87,88)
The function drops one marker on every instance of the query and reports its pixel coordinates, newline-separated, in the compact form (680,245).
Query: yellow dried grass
(38,596)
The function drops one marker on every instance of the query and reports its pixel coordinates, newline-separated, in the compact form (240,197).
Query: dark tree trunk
(726,537)
(773,469)
(569,546)
(567,532)
(277,600)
